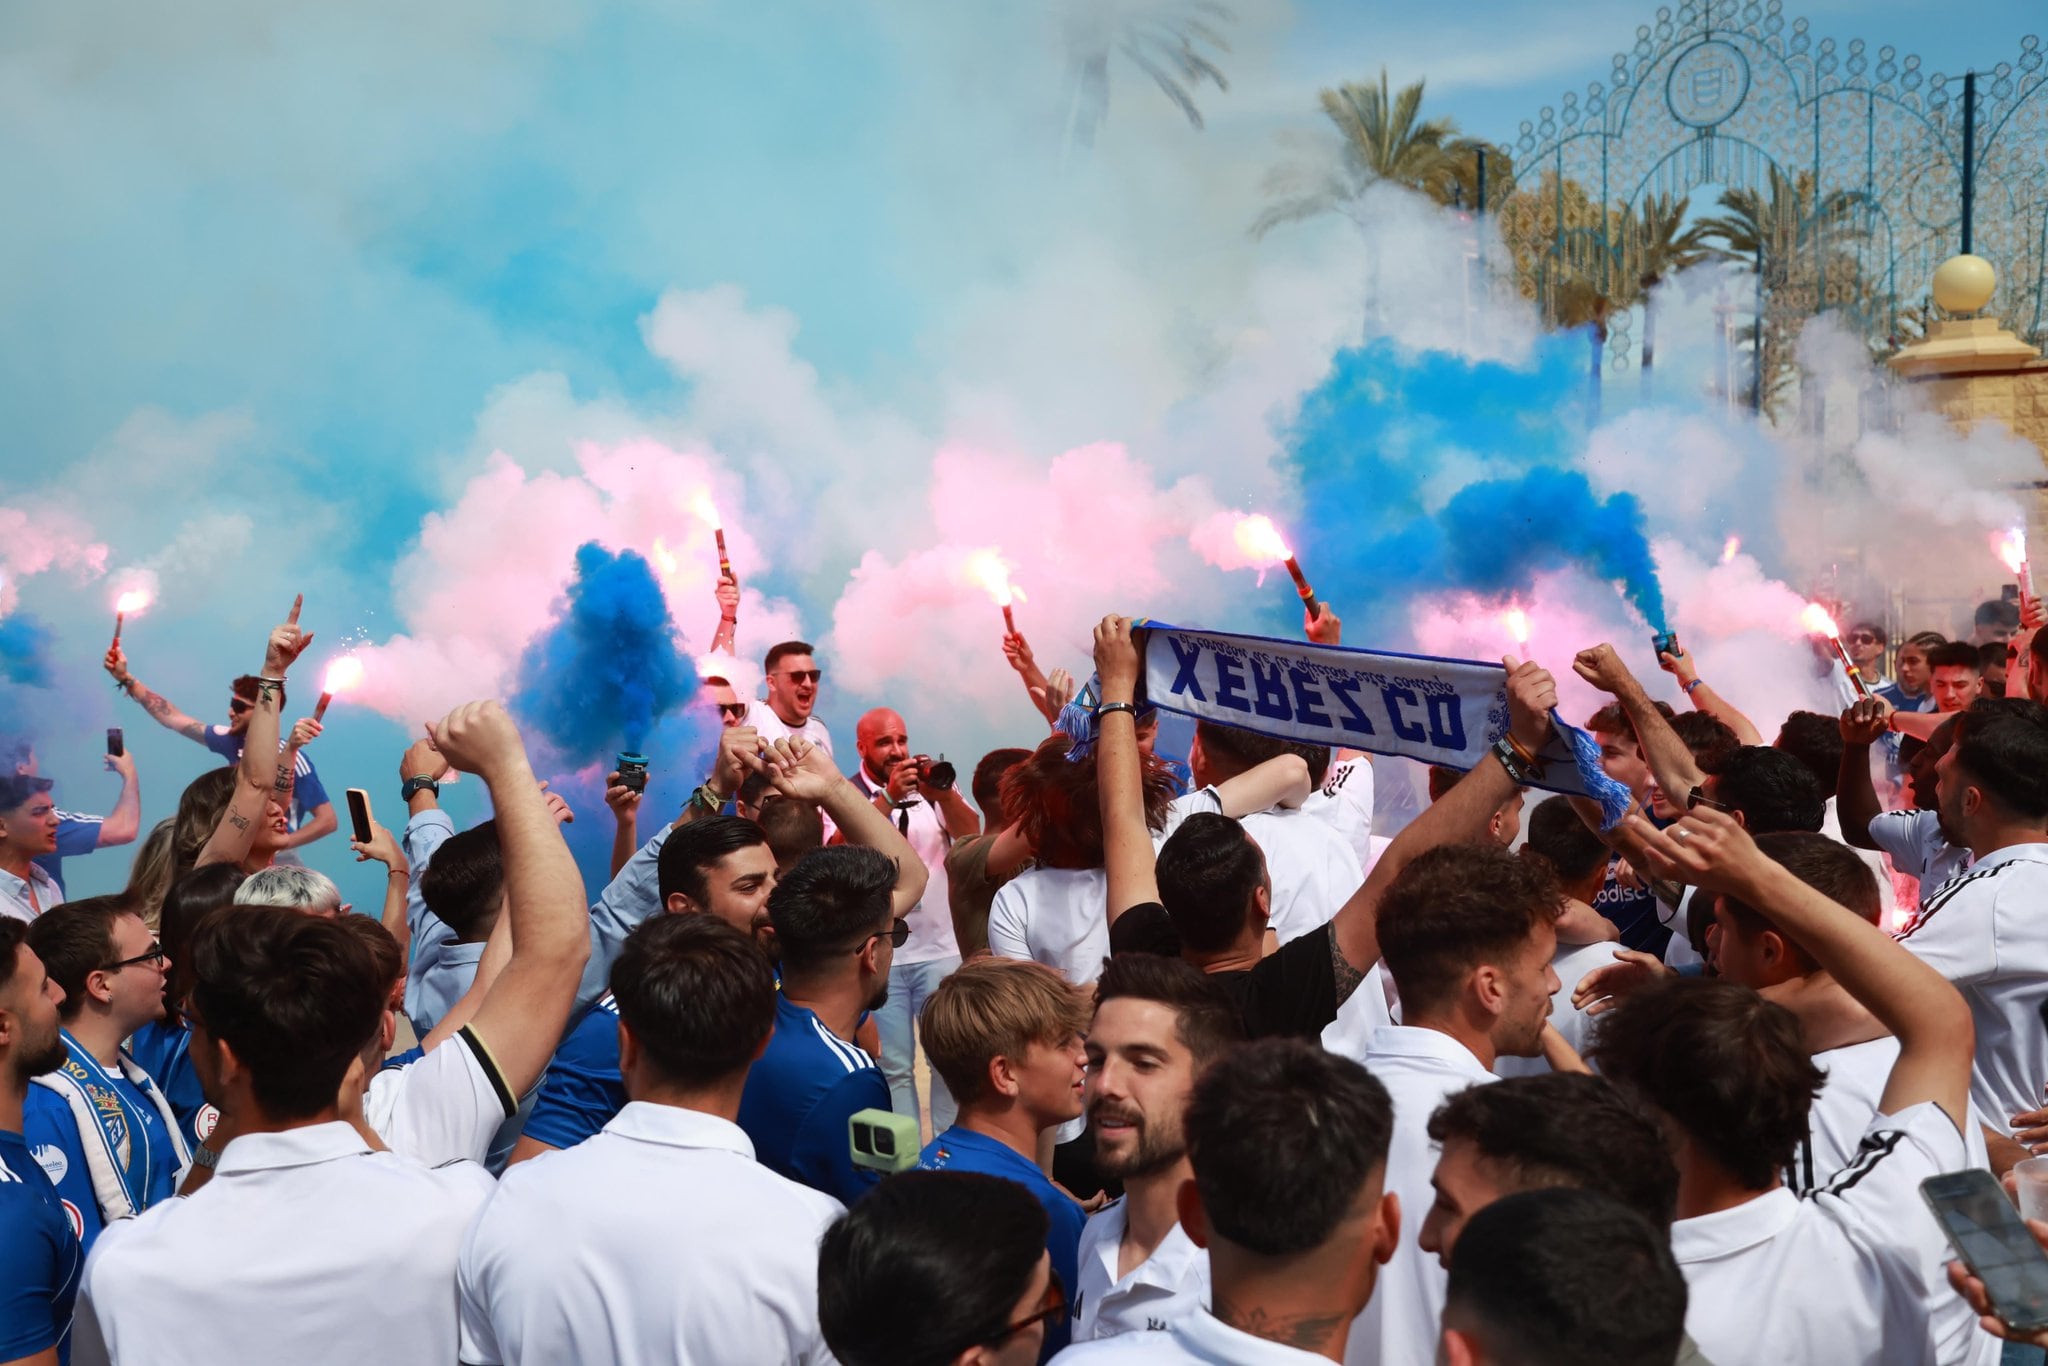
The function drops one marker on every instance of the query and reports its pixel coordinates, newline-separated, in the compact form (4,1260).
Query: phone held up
(359,813)
(1995,1243)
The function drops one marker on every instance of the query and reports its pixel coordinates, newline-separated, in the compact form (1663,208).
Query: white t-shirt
(1314,870)
(659,1239)
(1200,1339)
(931,920)
(1917,847)
(1361,1016)
(1837,1277)
(1421,1068)
(1987,932)
(1160,1291)
(1887,894)
(1055,916)
(771,727)
(1344,803)
(305,1247)
(1572,962)
(445,1106)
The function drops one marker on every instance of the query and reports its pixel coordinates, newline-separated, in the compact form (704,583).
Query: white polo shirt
(1314,870)
(1160,1291)
(1572,962)
(14,893)
(1200,1339)
(1838,1277)
(659,1239)
(931,920)
(1987,932)
(771,727)
(1344,803)
(1362,1014)
(443,1108)
(1055,916)
(1421,1068)
(1917,847)
(305,1247)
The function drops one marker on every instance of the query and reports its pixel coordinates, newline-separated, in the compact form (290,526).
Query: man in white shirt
(1575,855)
(1468,932)
(1912,837)
(930,817)
(1159,1023)
(1289,1148)
(660,1239)
(28,831)
(1343,801)
(792,677)
(1987,929)
(1842,1276)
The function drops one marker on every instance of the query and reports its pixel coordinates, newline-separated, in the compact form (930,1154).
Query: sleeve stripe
(491,1069)
(1875,1148)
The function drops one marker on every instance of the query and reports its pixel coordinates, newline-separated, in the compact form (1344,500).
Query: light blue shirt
(429,978)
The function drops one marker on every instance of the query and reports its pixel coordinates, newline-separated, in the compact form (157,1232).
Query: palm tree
(1383,138)
(1659,244)
(1162,38)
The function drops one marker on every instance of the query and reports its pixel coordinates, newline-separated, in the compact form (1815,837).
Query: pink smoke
(40,540)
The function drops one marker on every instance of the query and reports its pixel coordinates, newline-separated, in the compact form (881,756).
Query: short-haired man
(718,692)
(1159,1025)
(664,1215)
(463,889)
(1912,836)
(792,675)
(1625,898)
(1562,1278)
(930,816)
(313,814)
(40,1259)
(1865,643)
(1991,662)
(28,831)
(1504,827)
(1574,856)
(1994,622)
(1468,933)
(99,1126)
(1289,1149)
(1958,676)
(1844,1275)
(79,834)
(1006,1036)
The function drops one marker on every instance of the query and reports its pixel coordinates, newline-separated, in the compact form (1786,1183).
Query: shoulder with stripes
(1947,891)
(80,818)
(852,1057)
(1875,1149)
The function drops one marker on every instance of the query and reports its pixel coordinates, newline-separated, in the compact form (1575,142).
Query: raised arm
(728,594)
(800,769)
(383,846)
(124,822)
(1459,818)
(265,773)
(625,805)
(1017,650)
(167,716)
(522,1018)
(1671,763)
(1679,664)
(1127,854)
(1937,1041)
(1856,803)
(1280,781)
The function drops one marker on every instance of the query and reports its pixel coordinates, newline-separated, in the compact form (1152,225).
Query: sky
(396,305)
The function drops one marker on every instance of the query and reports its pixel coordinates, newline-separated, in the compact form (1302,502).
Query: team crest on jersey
(51,1159)
(77,1219)
(203,1123)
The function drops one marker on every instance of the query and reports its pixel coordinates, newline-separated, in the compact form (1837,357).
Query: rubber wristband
(1107,707)
(1694,684)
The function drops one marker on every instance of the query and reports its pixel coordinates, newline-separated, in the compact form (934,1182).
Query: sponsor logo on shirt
(51,1159)
(77,1219)
(205,1121)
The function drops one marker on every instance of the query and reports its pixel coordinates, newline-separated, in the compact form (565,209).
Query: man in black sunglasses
(792,673)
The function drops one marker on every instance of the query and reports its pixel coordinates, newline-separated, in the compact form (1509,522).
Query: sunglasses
(736,710)
(156,954)
(803,675)
(1051,1309)
(236,706)
(1863,638)
(1699,797)
(898,934)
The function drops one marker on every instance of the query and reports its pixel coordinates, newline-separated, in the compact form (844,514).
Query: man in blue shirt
(312,813)
(78,833)
(97,1125)
(40,1259)
(1006,1035)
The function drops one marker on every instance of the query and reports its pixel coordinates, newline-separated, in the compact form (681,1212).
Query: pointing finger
(297,603)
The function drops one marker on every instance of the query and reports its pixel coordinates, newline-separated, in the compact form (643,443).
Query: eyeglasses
(1052,1308)
(1698,797)
(155,955)
(736,710)
(803,675)
(898,934)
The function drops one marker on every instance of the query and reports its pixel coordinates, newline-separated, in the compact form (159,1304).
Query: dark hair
(189,900)
(1566,1129)
(792,828)
(1208,870)
(74,940)
(696,993)
(384,952)
(1708,739)
(1205,1019)
(926,1265)
(1730,1068)
(1561,839)
(1772,789)
(986,786)
(2004,747)
(1997,612)
(755,788)
(1830,868)
(1956,654)
(1993,654)
(1283,1136)
(1454,907)
(1875,628)
(1442,778)
(1815,741)
(1052,801)
(244,687)
(13,934)
(296,997)
(16,789)
(464,885)
(778,653)
(1566,1278)
(714,681)
(1232,750)
(691,851)
(1144,928)
(828,903)
(1612,719)
(2038,646)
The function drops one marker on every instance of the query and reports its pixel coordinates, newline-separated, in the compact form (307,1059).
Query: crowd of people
(1098,1055)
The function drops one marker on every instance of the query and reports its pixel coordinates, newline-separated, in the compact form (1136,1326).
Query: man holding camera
(920,795)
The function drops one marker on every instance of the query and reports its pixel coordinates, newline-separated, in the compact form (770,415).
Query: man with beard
(39,1255)
(1159,1023)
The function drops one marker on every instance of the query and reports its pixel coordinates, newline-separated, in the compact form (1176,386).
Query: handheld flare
(1817,620)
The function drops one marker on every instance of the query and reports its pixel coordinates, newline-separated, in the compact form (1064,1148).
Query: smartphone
(116,747)
(359,813)
(1995,1243)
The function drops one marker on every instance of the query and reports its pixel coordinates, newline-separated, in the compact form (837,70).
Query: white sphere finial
(1964,284)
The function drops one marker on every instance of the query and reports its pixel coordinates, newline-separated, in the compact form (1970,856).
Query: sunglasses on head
(803,675)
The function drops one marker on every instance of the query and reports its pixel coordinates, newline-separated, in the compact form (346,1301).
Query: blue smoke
(1384,422)
(26,703)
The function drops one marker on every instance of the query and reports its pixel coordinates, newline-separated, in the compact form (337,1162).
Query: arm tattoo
(283,785)
(153,702)
(1347,974)
(1307,1332)
(239,821)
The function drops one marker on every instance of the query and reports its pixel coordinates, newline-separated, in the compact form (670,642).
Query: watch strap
(420,783)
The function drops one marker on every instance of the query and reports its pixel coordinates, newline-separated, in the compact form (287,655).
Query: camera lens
(941,775)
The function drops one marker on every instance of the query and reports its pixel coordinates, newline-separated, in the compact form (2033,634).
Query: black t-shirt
(1290,994)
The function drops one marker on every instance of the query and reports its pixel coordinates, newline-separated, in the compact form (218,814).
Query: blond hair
(996,1008)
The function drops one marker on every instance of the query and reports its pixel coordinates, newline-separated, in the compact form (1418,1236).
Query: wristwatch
(420,783)
(203,1156)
